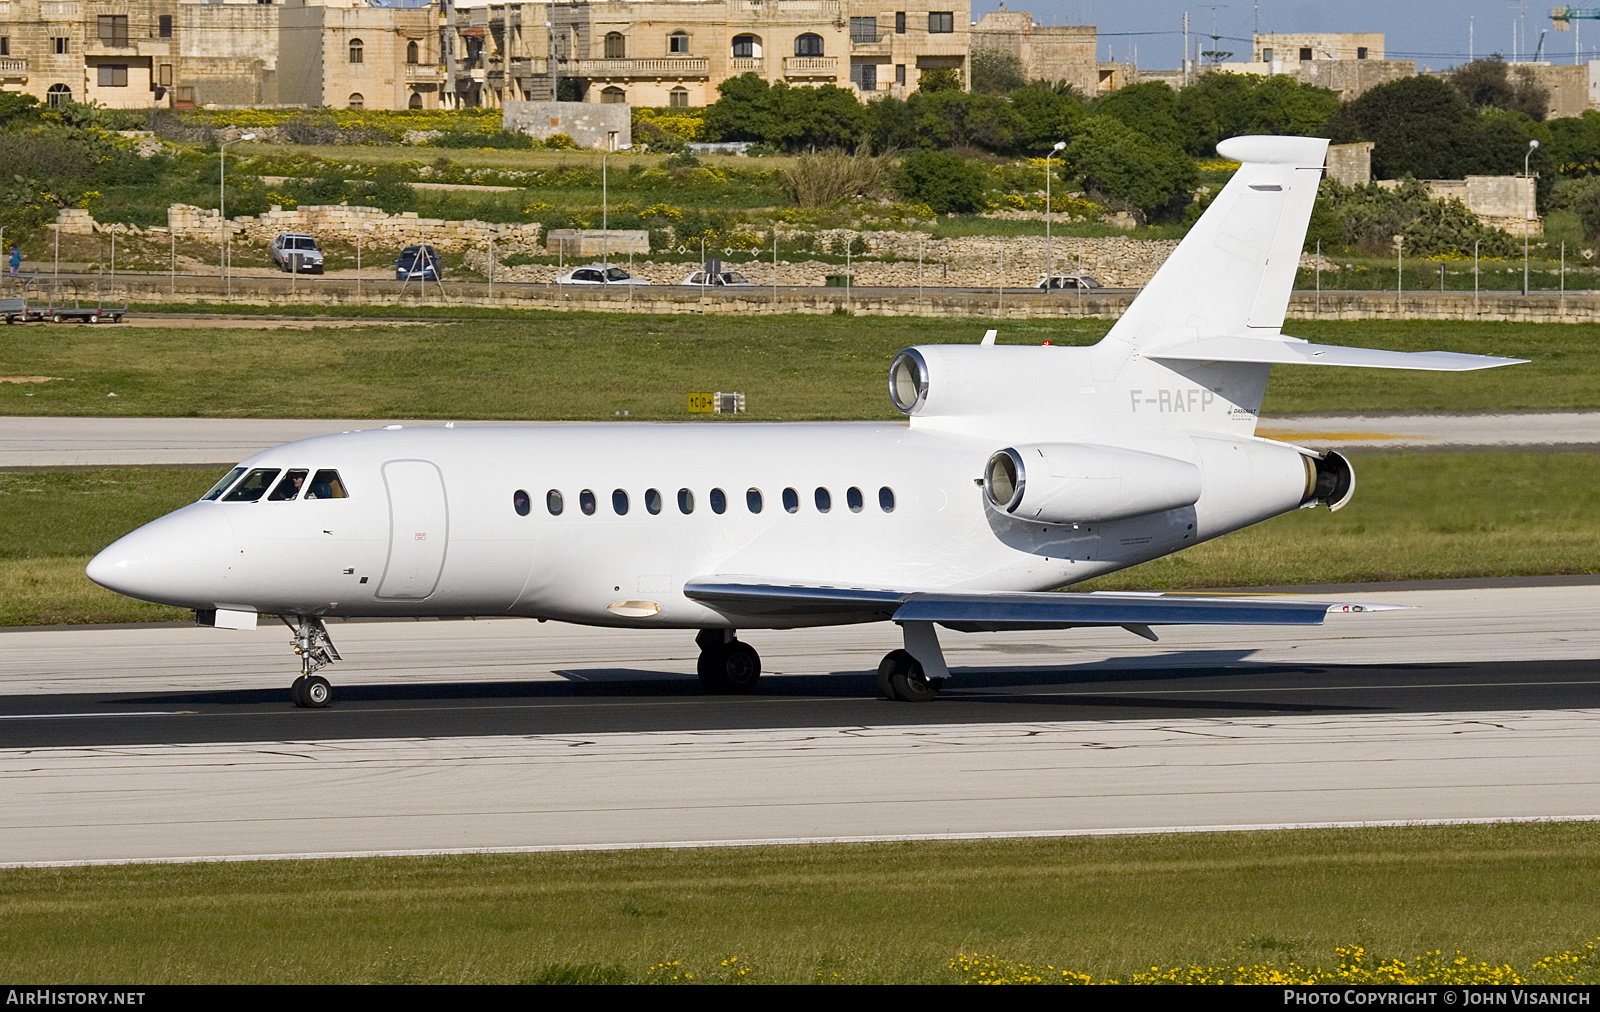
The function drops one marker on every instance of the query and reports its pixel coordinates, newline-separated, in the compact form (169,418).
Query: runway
(80,442)
(179,743)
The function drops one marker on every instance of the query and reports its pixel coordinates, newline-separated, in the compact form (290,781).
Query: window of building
(616,46)
(864,76)
(164,75)
(356,101)
(899,22)
(941,22)
(357,51)
(809,44)
(113,29)
(678,98)
(685,501)
(746,47)
(1361,52)
(412,53)
(863,30)
(752,500)
(555,502)
(1266,55)
(113,75)
(164,26)
(61,45)
(1305,52)
(619,502)
(613,96)
(58,95)
(899,73)
(678,42)
(415,102)
(5,45)
(521,502)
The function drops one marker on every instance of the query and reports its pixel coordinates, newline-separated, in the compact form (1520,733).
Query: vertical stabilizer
(1231,276)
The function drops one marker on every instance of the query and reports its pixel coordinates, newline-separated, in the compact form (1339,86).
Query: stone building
(119,54)
(347,55)
(1346,63)
(1045,53)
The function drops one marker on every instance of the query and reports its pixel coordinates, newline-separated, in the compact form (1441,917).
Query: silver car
(295,253)
(599,274)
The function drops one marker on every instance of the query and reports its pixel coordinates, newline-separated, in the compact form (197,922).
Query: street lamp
(222,195)
(1527,225)
(1050,253)
(605,207)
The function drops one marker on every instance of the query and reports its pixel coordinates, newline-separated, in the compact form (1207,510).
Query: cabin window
(586,502)
(652,501)
(791,500)
(554,502)
(326,485)
(222,486)
(254,486)
(685,501)
(824,500)
(290,486)
(719,501)
(752,500)
(521,502)
(853,499)
(886,499)
(619,502)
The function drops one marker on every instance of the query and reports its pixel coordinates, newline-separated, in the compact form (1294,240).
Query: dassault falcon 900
(1022,470)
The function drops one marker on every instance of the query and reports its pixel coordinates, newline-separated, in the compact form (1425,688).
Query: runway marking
(130,713)
(1285,688)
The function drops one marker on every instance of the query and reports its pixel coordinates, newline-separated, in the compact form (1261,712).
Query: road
(179,743)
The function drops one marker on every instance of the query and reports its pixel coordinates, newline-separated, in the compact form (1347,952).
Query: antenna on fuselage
(989,336)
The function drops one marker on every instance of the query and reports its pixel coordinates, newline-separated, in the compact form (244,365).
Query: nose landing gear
(726,665)
(316,650)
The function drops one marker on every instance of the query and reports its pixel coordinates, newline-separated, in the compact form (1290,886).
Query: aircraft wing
(993,612)
(1291,351)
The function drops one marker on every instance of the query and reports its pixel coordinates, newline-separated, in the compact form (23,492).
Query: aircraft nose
(180,559)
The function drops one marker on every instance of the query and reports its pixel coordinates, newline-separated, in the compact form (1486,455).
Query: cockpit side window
(222,486)
(290,486)
(327,485)
(253,487)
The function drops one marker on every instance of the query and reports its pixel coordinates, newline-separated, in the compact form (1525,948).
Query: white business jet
(1023,469)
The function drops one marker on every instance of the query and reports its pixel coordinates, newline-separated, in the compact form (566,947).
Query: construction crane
(1564,16)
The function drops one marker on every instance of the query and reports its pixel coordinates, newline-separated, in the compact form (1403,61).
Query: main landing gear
(316,650)
(726,665)
(915,674)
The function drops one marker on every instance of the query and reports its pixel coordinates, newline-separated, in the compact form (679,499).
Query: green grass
(881,913)
(1414,516)
(585,365)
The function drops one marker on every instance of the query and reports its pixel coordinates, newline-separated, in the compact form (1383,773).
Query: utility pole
(1186,79)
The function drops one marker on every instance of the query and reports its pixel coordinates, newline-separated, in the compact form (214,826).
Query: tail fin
(1231,276)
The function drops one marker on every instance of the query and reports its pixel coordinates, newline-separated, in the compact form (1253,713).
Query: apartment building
(120,54)
(1348,63)
(1045,52)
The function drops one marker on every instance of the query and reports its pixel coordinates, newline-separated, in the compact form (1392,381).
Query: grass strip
(1415,516)
(595,366)
(880,913)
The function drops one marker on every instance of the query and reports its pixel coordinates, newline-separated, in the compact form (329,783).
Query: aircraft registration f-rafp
(1023,470)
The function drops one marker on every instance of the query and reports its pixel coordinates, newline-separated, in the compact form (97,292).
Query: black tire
(905,680)
(297,691)
(317,692)
(730,668)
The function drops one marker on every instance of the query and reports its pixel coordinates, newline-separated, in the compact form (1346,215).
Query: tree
(1490,83)
(1046,114)
(940,79)
(944,181)
(1150,108)
(747,110)
(1420,126)
(1220,106)
(790,118)
(996,73)
(1120,166)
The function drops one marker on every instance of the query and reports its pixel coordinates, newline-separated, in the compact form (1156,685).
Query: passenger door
(419,529)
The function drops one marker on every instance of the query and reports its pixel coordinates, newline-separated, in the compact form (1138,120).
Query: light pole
(1049,251)
(222,201)
(1526,225)
(605,206)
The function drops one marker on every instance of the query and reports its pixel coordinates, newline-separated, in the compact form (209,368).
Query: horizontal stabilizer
(1294,352)
(1000,611)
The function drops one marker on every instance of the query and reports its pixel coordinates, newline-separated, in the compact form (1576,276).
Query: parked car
(418,263)
(720,279)
(296,253)
(599,274)
(1068,281)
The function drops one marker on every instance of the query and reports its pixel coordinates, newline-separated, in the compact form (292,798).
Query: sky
(1435,33)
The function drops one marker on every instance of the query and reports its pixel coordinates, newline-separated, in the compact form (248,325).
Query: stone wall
(589,124)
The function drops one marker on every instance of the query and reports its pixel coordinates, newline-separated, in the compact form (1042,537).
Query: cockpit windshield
(289,487)
(327,485)
(254,485)
(222,486)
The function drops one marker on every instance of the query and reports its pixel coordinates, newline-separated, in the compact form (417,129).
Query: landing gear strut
(316,650)
(915,674)
(726,665)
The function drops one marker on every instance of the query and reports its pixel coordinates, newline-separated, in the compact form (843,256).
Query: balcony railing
(671,66)
(419,73)
(13,66)
(811,66)
(745,64)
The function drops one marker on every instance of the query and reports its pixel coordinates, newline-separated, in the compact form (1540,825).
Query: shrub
(943,181)
(1121,167)
(817,180)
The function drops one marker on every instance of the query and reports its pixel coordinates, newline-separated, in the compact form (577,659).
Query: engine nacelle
(1076,483)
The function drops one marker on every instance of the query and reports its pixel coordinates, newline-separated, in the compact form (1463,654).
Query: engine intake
(1075,483)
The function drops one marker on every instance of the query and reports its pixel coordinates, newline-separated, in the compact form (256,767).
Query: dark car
(417,263)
